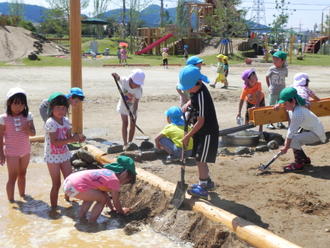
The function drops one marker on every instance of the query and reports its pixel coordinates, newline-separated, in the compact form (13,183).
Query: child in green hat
(301,118)
(275,78)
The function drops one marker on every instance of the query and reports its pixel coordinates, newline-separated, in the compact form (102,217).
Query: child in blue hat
(205,130)
(75,96)
(170,138)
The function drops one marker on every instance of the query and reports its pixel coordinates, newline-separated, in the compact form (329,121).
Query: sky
(304,13)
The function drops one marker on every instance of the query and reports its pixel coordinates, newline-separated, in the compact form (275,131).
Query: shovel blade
(179,194)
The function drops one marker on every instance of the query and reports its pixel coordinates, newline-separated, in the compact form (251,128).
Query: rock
(149,155)
(224,151)
(242,150)
(272,145)
(262,148)
(146,145)
(274,136)
(85,156)
(79,163)
(132,228)
(115,148)
(132,147)
(136,156)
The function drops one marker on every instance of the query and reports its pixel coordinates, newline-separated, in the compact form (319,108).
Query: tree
(227,20)
(64,5)
(16,10)
(100,6)
(182,19)
(55,23)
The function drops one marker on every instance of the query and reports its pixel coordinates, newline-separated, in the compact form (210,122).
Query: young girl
(222,70)
(58,135)
(94,185)
(275,79)
(16,125)
(251,93)
(123,55)
(132,89)
(300,83)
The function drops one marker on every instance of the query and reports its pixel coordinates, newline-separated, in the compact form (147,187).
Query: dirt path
(294,206)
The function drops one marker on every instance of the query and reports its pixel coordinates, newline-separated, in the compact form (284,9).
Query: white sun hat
(14,91)
(300,79)
(138,76)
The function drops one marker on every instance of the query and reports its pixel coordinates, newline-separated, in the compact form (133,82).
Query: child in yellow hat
(222,70)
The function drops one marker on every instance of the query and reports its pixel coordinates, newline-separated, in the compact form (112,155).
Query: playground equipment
(154,44)
(315,44)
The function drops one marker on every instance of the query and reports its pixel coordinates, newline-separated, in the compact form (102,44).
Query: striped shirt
(302,117)
(16,141)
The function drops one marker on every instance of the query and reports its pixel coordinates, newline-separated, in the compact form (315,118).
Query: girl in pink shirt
(94,185)
(16,125)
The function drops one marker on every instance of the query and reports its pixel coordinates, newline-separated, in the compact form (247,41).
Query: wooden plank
(266,115)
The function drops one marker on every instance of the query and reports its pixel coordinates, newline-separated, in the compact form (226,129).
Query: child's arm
(267,81)
(314,97)
(58,142)
(259,98)
(2,155)
(198,125)
(135,107)
(29,128)
(115,198)
(157,140)
(240,105)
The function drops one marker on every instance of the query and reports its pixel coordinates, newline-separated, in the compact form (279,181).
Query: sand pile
(17,43)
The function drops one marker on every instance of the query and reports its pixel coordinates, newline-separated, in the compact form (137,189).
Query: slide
(152,45)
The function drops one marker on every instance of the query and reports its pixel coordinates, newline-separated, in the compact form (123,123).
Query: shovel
(264,167)
(181,186)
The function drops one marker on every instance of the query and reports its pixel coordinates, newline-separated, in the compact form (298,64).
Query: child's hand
(185,141)
(116,76)
(82,138)
(277,106)
(75,137)
(126,210)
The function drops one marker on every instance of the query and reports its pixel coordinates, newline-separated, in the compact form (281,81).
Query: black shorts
(206,147)
(165,62)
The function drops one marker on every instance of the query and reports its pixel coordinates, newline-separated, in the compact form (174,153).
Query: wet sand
(294,206)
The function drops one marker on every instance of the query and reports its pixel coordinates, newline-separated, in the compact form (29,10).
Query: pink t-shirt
(101,179)
(16,141)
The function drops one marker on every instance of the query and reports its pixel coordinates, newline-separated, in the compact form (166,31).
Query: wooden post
(292,39)
(76,74)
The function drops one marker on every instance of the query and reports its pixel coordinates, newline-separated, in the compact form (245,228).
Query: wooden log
(266,115)
(245,230)
(39,139)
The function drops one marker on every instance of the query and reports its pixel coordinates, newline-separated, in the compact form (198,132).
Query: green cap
(123,163)
(289,93)
(280,54)
(54,95)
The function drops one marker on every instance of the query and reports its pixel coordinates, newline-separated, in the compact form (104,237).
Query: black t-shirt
(202,106)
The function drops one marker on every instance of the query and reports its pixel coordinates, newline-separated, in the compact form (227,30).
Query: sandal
(293,167)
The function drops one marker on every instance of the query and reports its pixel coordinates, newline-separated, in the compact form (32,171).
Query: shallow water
(30,223)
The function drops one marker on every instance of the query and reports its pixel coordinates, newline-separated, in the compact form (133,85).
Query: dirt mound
(152,207)
(17,43)
(212,46)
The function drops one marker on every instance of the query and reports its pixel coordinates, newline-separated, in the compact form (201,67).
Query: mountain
(33,13)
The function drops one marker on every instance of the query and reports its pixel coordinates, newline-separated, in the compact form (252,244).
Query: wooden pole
(76,74)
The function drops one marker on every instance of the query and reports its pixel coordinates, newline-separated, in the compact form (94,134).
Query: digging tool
(181,186)
(264,167)
(126,105)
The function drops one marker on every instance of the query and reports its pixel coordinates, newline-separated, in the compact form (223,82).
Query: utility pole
(161,13)
(258,13)
(124,18)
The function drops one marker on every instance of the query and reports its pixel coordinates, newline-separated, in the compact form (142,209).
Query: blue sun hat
(189,76)
(75,91)
(176,115)
(194,60)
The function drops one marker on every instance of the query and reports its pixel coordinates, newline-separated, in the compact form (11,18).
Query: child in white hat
(300,83)
(132,90)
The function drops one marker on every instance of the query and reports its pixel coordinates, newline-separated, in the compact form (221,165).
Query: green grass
(312,59)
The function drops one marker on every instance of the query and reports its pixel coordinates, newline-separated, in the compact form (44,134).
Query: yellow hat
(225,58)
(220,56)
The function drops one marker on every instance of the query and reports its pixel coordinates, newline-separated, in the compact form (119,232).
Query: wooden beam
(266,115)
(76,74)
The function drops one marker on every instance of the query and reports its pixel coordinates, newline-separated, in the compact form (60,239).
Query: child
(118,55)
(94,185)
(222,70)
(205,130)
(123,55)
(251,93)
(75,96)
(194,61)
(185,52)
(300,117)
(275,79)
(165,57)
(58,135)
(16,125)
(132,89)
(300,83)
(170,138)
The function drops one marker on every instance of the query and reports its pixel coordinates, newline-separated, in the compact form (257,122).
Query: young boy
(300,117)
(170,138)
(75,96)
(132,90)
(222,70)
(205,130)
(275,79)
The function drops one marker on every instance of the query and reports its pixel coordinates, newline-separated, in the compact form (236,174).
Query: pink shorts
(69,189)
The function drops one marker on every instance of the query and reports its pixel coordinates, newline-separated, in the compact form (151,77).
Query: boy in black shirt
(205,131)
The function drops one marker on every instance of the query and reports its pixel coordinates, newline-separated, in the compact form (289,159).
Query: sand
(294,206)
